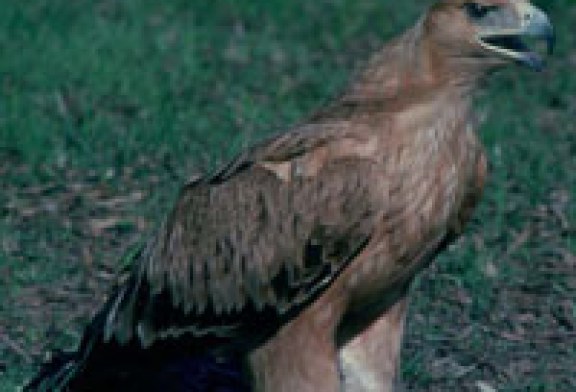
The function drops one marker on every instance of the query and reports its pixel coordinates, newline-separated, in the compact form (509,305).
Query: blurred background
(108,106)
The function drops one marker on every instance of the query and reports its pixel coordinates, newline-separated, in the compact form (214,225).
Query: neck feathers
(412,69)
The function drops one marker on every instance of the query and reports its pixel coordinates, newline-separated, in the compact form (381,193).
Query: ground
(107,107)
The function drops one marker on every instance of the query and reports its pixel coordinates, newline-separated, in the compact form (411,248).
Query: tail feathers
(167,366)
(195,373)
(170,365)
(64,367)
(55,375)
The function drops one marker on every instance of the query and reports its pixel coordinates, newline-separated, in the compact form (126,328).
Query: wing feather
(250,246)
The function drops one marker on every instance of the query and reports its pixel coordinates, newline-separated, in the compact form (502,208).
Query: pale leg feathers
(370,361)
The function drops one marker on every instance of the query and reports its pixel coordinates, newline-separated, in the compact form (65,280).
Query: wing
(247,248)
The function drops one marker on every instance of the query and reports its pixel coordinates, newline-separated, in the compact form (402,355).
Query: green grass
(101,98)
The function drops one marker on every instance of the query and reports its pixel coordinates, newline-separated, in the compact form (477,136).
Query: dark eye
(477,11)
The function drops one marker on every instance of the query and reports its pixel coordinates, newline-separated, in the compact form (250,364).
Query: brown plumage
(297,256)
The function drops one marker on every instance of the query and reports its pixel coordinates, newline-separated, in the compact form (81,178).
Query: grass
(107,107)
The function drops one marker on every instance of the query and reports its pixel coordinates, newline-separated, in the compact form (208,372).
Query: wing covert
(247,244)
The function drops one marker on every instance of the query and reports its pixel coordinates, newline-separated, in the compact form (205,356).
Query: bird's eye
(477,11)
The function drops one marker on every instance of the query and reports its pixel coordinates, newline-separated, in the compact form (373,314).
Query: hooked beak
(524,20)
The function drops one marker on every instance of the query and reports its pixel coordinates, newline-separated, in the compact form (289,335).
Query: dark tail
(166,367)
(55,375)
(65,367)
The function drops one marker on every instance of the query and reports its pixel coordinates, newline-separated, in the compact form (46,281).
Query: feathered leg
(302,356)
(370,361)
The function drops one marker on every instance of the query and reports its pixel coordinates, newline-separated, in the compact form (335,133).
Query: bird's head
(490,32)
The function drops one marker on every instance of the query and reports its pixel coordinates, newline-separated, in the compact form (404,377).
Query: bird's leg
(301,357)
(369,362)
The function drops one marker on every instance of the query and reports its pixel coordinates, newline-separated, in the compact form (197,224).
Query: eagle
(289,269)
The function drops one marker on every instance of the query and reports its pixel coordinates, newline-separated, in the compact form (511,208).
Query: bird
(289,268)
